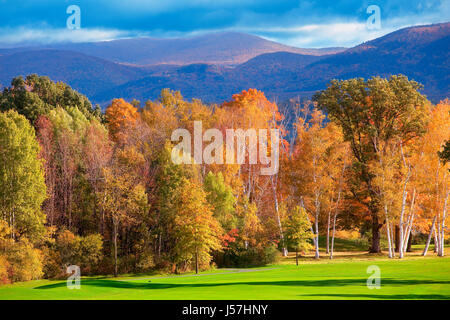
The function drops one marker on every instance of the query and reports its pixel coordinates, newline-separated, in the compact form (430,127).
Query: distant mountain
(229,48)
(421,53)
(213,83)
(84,73)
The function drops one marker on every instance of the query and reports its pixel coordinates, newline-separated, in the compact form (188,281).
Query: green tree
(168,179)
(73,249)
(298,231)
(220,197)
(22,183)
(37,95)
(372,113)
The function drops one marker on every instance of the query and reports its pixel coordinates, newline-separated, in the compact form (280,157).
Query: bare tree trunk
(437,232)
(409,244)
(311,225)
(296,256)
(317,255)
(436,242)
(376,226)
(316,224)
(115,227)
(328,232)
(388,231)
(402,213)
(425,250)
(336,212)
(397,237)
(333,235)
(409,224)
(274,191)
(196,261)
(405,194)
(391,228)
(442,228)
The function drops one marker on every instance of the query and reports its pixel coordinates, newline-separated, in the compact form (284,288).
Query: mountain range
(215,66)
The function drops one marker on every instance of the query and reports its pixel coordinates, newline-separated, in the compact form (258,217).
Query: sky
(307,24)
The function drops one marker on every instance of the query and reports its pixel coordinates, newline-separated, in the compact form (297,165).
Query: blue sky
(299,23)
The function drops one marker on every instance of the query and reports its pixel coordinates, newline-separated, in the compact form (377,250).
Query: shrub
(90,251)
(66,246)
(25,261)
(144,262)
(244,258)
(52,264)
(4,266)
(86,252)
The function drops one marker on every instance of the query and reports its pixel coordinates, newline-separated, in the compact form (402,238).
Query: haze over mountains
(215,66)
(227,48)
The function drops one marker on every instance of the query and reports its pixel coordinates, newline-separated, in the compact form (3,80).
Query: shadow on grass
(383,296)
(294,283)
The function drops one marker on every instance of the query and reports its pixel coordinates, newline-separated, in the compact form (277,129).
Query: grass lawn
(345,277)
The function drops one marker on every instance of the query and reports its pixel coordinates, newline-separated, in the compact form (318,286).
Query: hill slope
(229,48)
(421,53)
(84,73)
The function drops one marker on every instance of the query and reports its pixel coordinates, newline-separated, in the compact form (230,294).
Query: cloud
(26,36)
(330,35)
(294,22)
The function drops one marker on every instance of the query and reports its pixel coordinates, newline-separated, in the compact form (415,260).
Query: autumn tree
(119,115)
(47,142)
(433,174)
(68,129)
(197,232)
(97,152)
(371,113)
(251,110)
(123,202)
(314,165)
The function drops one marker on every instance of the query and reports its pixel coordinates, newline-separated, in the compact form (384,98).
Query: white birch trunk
(388,231)
(405,194)
(425,250)
(400,251)
(316,224)
(392,239)
(333,235)
(328,231)
(409,223)
(436,236)
(442,229)
(274,191)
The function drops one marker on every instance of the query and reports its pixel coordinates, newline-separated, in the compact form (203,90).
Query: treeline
(101,190)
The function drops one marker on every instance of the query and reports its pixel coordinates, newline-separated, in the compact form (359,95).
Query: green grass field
(343,278)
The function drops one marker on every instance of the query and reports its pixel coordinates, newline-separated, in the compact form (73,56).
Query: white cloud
(49,35)
(334,34)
